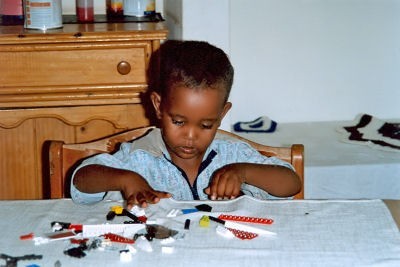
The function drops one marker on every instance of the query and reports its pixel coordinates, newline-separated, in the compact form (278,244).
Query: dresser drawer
(56,74)
(44,65)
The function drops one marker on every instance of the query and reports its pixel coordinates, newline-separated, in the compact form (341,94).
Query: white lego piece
(167,250)
(156,221)
(125,256)
(40,240)
(137,211)
(168,240)
(101,229)
(173,213)
(222,231)
(56,227)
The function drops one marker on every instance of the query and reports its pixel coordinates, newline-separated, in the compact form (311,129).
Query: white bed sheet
(335,169)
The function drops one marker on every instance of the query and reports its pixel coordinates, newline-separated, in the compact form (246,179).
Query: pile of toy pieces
(138,232)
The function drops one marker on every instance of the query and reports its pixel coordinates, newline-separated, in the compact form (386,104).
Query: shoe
(260,125)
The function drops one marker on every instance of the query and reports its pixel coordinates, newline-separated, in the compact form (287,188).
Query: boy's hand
(226,182)
(138,192)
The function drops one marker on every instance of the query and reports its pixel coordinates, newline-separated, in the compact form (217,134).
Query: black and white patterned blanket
(371,131)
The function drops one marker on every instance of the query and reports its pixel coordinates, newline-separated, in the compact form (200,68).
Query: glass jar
(85,10)
(114,8)
(11,12)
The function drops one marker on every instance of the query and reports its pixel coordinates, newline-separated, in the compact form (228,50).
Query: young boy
(184,158)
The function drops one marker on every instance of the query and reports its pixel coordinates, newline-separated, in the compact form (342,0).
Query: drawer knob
(124,67)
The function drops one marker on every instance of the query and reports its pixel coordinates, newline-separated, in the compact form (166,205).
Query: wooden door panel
(18,161)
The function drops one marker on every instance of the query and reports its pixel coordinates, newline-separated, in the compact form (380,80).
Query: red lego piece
(27,236)
(118,238)
(76,227)
(246,219)
(242,234)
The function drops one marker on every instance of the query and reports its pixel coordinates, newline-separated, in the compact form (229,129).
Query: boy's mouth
(187,150)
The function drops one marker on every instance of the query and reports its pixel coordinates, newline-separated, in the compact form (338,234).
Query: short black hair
(193,64)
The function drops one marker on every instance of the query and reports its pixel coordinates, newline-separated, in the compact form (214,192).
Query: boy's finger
(141,200)
(131,201)
(165,195)
(214,187)
(229,190)
(155,196)
(208,192)
(221,188)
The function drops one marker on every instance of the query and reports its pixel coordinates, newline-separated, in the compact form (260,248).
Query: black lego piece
(204,207)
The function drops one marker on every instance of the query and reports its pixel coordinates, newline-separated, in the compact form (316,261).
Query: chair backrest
(64,158)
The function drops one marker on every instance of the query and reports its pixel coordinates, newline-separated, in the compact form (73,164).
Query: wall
(314,60)
(299,60)
(305,60)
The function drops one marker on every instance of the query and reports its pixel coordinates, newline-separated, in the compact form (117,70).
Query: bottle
(12,12)
(139,8)
(114,8)
(84,10)
(43,16)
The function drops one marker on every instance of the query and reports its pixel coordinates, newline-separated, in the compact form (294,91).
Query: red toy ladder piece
(246,219)
(242,234)
(118,238)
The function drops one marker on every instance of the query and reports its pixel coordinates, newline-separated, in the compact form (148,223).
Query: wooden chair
(64,158)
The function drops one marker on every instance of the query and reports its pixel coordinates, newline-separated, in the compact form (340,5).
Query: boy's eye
(176,122)
(207,126)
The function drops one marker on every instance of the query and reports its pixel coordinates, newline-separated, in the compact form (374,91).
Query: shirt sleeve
(246,153)
(117,160)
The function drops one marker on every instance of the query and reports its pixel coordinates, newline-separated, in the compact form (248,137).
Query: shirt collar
(154,144)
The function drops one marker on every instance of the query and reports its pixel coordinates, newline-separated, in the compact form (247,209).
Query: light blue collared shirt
(149,157)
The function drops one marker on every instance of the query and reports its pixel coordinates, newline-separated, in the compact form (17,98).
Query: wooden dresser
(77,83)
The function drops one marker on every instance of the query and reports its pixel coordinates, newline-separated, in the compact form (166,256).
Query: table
(308,233)
(335,169)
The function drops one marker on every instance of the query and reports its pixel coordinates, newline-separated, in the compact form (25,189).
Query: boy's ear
(156,100)
(227,107)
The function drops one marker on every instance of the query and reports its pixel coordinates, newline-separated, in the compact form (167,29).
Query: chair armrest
(298,164)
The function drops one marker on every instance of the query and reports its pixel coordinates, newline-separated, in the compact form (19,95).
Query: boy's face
(189,119)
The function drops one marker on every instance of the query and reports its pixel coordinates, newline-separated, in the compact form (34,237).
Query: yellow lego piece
(117,209)
(204,221)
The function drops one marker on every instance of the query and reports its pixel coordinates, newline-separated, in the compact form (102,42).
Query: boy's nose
(190,133)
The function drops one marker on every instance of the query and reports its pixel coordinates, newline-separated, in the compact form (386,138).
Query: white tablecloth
(309,233)
(334,169)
